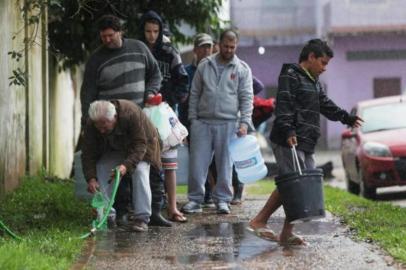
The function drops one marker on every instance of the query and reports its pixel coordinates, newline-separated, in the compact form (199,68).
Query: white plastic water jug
(247,159)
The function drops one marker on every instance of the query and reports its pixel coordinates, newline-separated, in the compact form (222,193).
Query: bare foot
(262,231)
(291,240)
(256,225)
(176,216)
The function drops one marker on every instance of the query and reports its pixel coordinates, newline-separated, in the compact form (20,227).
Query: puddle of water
(226,243)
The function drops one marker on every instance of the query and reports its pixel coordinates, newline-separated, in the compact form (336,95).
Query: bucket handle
(296,163)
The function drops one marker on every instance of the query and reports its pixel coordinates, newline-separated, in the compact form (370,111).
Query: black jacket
(299,102)
(174,76)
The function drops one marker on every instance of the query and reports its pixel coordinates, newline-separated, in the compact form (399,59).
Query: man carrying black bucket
(299,102)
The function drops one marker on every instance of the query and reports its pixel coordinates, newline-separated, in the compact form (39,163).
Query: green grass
(49,219)
(375,221)
(380,222)
(262,187)
(181,189)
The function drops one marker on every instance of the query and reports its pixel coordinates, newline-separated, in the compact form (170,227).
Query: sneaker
(236,201)
(223,208)
(122,220)
(111,219)
(139,226)
(111,223)
(208,203)
(192,207)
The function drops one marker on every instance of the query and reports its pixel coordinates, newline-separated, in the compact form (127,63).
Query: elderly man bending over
(119,135)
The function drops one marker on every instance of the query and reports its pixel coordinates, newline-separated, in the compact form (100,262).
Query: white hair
(102,109)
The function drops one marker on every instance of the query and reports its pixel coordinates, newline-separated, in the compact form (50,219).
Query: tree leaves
(73,34)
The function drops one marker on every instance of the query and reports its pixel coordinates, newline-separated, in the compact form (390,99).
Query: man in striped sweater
(120,68)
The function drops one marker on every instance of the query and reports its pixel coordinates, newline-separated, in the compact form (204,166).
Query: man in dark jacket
(299,102)
(119,135)
(202,48)
(175,79)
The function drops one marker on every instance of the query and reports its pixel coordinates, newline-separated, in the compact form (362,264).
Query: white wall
(12,101)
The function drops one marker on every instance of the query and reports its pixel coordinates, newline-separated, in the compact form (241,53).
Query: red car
(375,155)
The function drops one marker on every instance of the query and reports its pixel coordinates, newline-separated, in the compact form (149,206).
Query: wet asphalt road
(211,241)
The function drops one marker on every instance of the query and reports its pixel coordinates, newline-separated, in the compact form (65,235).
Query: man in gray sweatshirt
(220,105)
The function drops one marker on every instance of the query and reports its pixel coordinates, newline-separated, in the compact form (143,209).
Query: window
(366,2)
(384,87)
(376,55)
(384,117)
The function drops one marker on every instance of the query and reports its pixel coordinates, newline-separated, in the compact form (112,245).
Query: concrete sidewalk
(211,241)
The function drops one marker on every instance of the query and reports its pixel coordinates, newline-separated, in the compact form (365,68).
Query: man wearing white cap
(203,46)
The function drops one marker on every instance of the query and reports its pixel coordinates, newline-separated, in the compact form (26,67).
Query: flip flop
(294,240)
(178,218)
(265,233)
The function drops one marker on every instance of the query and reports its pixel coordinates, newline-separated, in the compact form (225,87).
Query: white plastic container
(246,156)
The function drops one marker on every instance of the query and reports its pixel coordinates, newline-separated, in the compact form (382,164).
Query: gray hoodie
(227,98)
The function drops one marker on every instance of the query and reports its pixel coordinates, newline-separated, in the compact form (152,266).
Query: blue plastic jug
(246,156)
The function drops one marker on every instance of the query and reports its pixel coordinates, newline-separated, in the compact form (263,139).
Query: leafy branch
(71,24)
(19,77)
(31,11)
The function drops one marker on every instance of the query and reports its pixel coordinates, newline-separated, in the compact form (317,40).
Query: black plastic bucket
(302,195)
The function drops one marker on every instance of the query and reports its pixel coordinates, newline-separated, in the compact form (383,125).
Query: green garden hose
(96,225)
(9,232)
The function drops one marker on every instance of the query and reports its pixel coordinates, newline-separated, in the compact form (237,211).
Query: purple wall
(351,81)
(347,81)
(266,67)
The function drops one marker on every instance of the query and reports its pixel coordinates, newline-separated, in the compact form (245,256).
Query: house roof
(293,31)
(364,30)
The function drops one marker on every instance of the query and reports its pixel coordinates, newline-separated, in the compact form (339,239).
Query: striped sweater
(299,102)
(130,72)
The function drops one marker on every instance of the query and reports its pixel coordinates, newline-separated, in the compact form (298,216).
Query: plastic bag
(170,129)
(178,131)
(159,117)
(100,202)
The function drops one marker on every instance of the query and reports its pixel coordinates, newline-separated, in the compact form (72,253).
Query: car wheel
(352,187)
(367,192)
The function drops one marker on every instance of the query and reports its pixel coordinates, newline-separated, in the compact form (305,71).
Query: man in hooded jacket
(174,90)
(175,79)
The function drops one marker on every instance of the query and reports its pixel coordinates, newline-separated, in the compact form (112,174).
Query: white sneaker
(223,208)
(192,207)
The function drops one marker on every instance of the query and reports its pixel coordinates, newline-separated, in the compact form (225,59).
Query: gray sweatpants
(284,159)
(141,193)
(207,139)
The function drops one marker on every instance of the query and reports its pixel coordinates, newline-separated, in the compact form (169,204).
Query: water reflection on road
(211,241)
